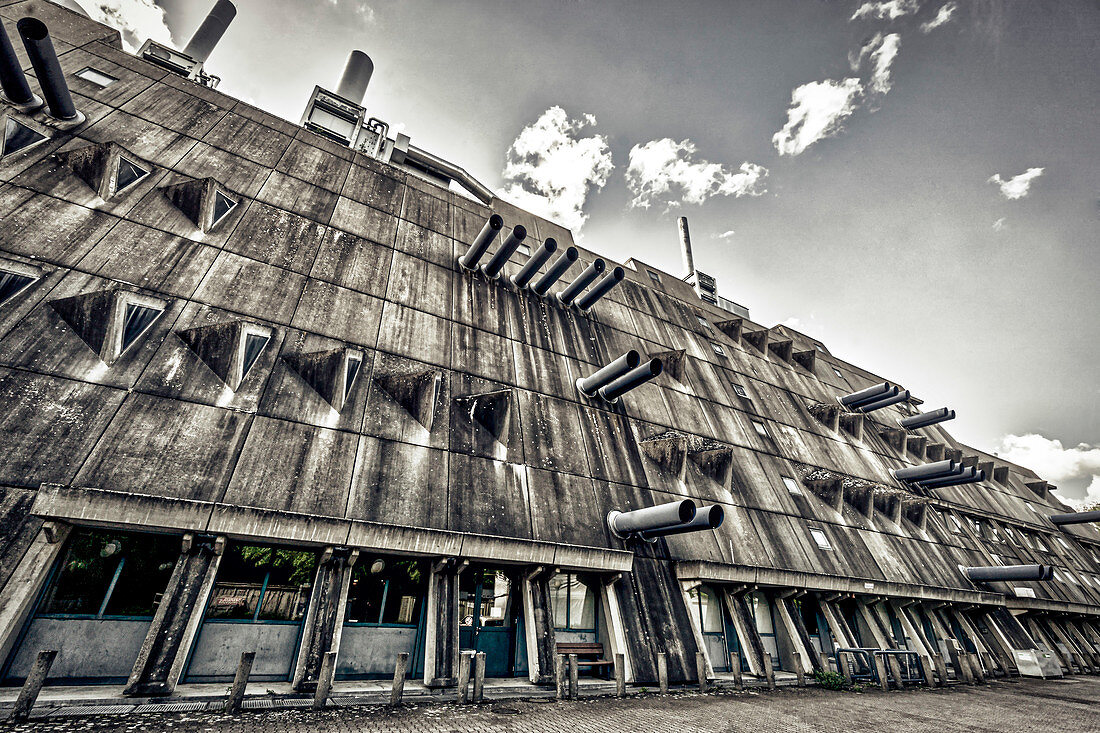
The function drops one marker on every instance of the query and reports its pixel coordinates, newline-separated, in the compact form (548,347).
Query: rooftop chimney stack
(356,77)
(685,247)
(211,31)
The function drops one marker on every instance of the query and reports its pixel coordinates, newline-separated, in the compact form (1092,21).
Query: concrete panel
(424,243)
(249,139)
(488,497)
(419,284)
(382,191)
(371,651)
(298,197)
(551,434)
(310,163)
(352,262)
(417,335)
(175,109)
(238,174)
(564,509)
(363,221)
(218,650)
(426,211)
(276,237)
(72,232)
(339,313)
(149,258)
(88,649)
(396,483)
(251,288)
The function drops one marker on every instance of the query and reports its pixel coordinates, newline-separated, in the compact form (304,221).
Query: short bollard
(324,680)
(662,672)
(701,670)
(976,665)
(842,665)
(738,679)
(33,685)
(561,672)
(963,668)
(799,673)
(574,674)
(399,672)
(240,682)
(620,675)
(941,668)
(895,671)
(479,677)
(880,670)
(769,671)
(465,661)
(826,665)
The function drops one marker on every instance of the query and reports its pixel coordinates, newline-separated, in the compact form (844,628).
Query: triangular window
(351,371)
(138,319)
(254,343)
(129,173)
(11,283)
(18,136)
(222,206)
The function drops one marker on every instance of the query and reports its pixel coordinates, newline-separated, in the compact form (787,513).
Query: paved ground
(1020,705)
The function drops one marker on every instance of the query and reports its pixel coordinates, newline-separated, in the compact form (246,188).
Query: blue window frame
(573,603)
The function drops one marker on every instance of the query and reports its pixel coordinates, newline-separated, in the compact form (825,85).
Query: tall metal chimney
(211,31)
(685,246)
(356,76)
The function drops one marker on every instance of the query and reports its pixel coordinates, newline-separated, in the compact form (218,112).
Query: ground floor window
(573,603)
(485,599)
(386,590)
(709,609)
(257,583)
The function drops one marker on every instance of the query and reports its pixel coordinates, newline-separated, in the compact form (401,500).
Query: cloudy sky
(915,182)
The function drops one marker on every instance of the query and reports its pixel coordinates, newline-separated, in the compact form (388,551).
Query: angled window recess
(96,77)
(15,278)
(128,174)
(109,321)
(702,321)
(18,136)
(654,276)
(351,371)
(837,372)
(761,429)
(1062,542)
(740,391)
(820,538)
(718,349)
(222,205)
(524,249)
(792,485)
(252,344)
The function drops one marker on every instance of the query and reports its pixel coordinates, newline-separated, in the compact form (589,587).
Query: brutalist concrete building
(300,388)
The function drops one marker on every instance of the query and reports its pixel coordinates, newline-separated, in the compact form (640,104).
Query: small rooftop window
(702,321)
(1062,542)
(718,349)
(18,136)
(837,372)
(818,347)
(740,390)
(524,248)
(137,321)
(820,538)
(792,485)
(129,173)
(351,371)
(252,345)
(96,77)
(761,429)
(654,276)
(1022,592)
(956,525)
(12,283)
(222,206)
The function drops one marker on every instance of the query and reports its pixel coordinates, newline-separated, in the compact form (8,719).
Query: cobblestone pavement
(1020,705)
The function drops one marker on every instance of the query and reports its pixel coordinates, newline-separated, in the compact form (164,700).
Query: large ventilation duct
(707,517)
(1075,518)
(553,274)
(626,524)
(356,77)
(527,273)
(636,377)
(589,385)
(969,475)
(496,263)
(885,402)
(482,242)
(925,419)
(567,296)
(211,31)
(875,392)
(685,246)
(602,288)
(926,472)
(36,39)
(13,81)
(1009,572)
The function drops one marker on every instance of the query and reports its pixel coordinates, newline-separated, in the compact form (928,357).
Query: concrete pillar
(1083,643)
(896,671)
(798,638)
(324,621)
(240,682)
(465,664)
(615,628)
(843,663)
(538,626)
(838,627)
(441,628)
(872,625)
(325,677)
(926,671)
(701,665)
(745,626)
(479,676)
(800,676)
(574,677)
(662,672)
(697,632)
(910,629)
(999,644)
(880,671)
(769,671)
(176,623)
(1061,635)
(941,668)
(400,671)
(620,675)
(20,593)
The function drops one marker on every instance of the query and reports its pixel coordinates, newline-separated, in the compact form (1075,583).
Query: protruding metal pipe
(1009,572)
(706,517)
(500,258)
(553,274)
(1075,518)
(573,289)
(960,471)
(870,394)
(925,471)
(885,402)
(36,39)
(602,288)
(482,242)
(925,419)
(590,384)
(685,246)
(527,272)
(356,77)
(12,79)
(966,477)
(634,378)
(624,524)
(211,31)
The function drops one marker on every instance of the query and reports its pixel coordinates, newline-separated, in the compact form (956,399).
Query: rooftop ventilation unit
(189,62)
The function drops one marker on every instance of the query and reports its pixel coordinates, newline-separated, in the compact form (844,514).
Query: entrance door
(712,623)
(490,609)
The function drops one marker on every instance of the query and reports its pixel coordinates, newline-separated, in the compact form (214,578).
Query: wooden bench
(585,650)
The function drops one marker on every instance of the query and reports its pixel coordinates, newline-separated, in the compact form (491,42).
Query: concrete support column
(803,654)
(1040,635)
(1074,652)
(697,632)
(870,621)
(538,626)
(912,630)
(324,621)
(175,625)
(1001,646)
(838,627)
(21,591)
(615,637)
(745,626)
(441,630)
(1083,643)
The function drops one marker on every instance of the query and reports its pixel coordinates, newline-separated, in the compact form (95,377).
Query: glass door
(489,619)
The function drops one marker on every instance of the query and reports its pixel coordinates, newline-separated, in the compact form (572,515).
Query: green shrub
(831,680)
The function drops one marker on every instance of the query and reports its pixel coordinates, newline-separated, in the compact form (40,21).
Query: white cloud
(881,60)
(891,9)
(550,169)
(817,110)
(1018,186)
(1052,461)
(136,20)
(944,15)
(725,235)
(665,171)
(1000,225)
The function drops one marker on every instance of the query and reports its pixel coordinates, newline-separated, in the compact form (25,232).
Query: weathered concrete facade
(320,375)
